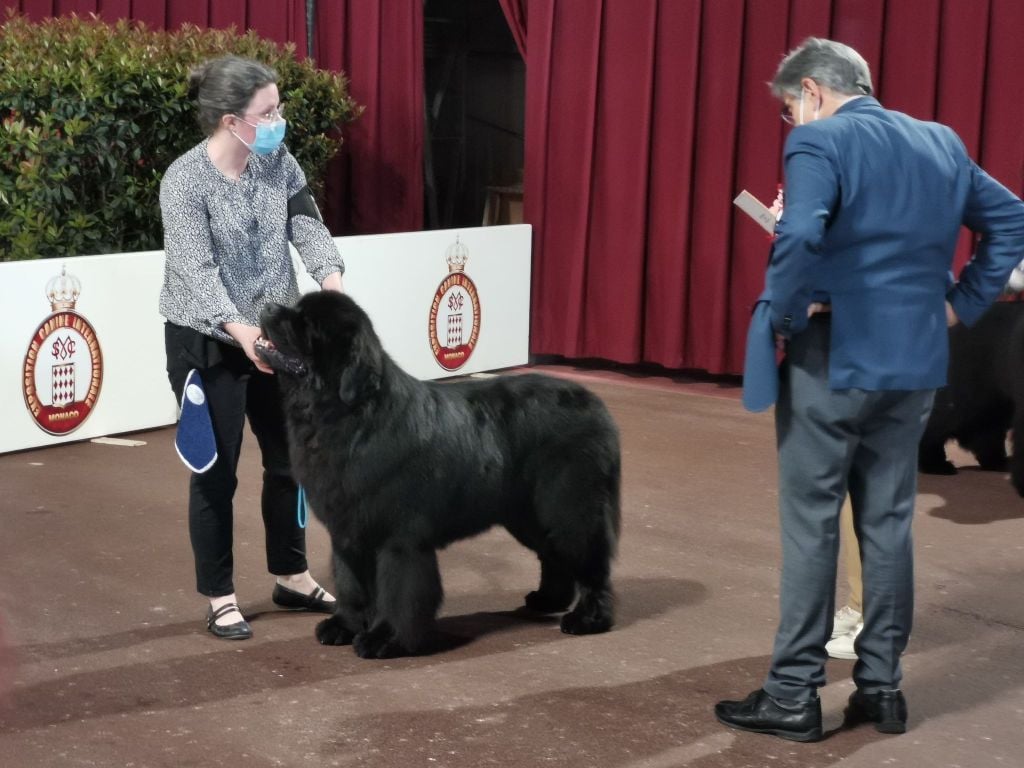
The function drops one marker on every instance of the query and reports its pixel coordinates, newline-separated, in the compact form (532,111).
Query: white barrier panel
(91,361)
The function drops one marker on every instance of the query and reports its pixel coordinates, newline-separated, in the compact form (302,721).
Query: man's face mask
(817,110)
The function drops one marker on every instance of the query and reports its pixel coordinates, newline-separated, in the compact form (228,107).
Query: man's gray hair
(827,63)
(225,86)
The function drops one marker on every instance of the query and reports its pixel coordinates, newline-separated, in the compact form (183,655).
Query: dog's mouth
(278,360)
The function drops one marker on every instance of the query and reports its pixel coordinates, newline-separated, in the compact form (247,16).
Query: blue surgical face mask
(268,136)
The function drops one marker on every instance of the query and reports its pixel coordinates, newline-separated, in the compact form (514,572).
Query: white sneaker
(842,647)
(845,620)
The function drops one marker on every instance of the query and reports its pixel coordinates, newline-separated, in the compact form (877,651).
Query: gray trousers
(831,442)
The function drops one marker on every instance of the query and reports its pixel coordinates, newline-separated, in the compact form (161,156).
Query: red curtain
(376,184)
(515,12)
(379,183)
(644,118)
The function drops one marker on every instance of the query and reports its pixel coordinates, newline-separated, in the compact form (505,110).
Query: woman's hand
(333,283)
(246,336)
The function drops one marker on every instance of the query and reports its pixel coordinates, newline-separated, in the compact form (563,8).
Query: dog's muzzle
(277,359)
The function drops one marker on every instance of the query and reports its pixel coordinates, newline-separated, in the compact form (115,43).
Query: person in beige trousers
(849,619)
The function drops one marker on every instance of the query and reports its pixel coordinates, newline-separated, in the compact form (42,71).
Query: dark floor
(111,665)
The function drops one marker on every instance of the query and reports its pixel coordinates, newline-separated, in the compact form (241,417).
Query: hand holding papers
(760,365)
(757,210)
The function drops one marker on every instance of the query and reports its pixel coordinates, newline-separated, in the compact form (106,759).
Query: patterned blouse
(226,241)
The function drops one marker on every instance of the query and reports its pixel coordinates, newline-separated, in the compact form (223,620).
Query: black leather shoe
(761,713)
(296,601)
(886,709)
(240,630)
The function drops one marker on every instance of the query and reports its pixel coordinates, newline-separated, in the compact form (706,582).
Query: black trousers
(235,390)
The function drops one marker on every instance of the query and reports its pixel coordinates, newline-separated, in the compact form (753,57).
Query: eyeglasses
(270,116)
(786,113)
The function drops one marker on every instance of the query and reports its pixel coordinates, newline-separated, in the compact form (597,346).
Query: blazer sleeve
(997,215)
(812,190)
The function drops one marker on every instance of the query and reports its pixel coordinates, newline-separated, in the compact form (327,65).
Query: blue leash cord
(300,507)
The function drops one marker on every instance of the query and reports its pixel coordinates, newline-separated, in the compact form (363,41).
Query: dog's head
(325,340)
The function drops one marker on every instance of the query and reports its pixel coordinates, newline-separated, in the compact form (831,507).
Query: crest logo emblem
(454,324)
(63,367)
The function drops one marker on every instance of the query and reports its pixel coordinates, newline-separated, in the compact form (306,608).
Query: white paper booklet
(756,210)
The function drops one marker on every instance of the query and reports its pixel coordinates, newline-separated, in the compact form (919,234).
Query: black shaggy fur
(397,468)
(984,397)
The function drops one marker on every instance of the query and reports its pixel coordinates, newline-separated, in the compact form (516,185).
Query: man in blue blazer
(859,292)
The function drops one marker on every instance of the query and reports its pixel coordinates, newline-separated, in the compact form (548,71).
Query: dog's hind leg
(595,610)
(407,595)
(583,545)
(578,507)
(557,587)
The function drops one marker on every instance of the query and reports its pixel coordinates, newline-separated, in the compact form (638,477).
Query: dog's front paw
(332,631)
(378,642)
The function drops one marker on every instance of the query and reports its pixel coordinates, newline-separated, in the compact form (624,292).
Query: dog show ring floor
(105,659)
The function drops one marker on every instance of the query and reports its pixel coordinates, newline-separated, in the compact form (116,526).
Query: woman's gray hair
(827,63)
(225,86)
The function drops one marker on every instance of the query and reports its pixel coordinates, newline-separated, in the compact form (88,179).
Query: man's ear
(814,90)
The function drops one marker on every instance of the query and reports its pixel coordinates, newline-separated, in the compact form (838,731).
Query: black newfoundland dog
(397,468)
(984,396)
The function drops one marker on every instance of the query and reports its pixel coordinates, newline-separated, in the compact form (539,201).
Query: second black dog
(984,397)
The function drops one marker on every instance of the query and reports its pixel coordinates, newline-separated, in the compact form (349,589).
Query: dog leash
(300,507)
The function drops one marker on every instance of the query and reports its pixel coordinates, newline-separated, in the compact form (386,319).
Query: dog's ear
(357,385)
(360,378)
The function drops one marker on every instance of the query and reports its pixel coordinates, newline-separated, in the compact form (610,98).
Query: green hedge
(91,115)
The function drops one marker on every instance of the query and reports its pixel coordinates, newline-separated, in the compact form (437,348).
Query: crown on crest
(63,290)
(457,255)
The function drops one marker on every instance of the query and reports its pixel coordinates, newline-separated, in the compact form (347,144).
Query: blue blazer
(874,204)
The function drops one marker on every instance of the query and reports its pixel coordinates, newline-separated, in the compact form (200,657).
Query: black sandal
(296,601)
(240,630)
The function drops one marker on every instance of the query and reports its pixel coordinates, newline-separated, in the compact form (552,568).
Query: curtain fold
(379,174)
(644,118)
(666,275)
(376,184)
(515,14)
